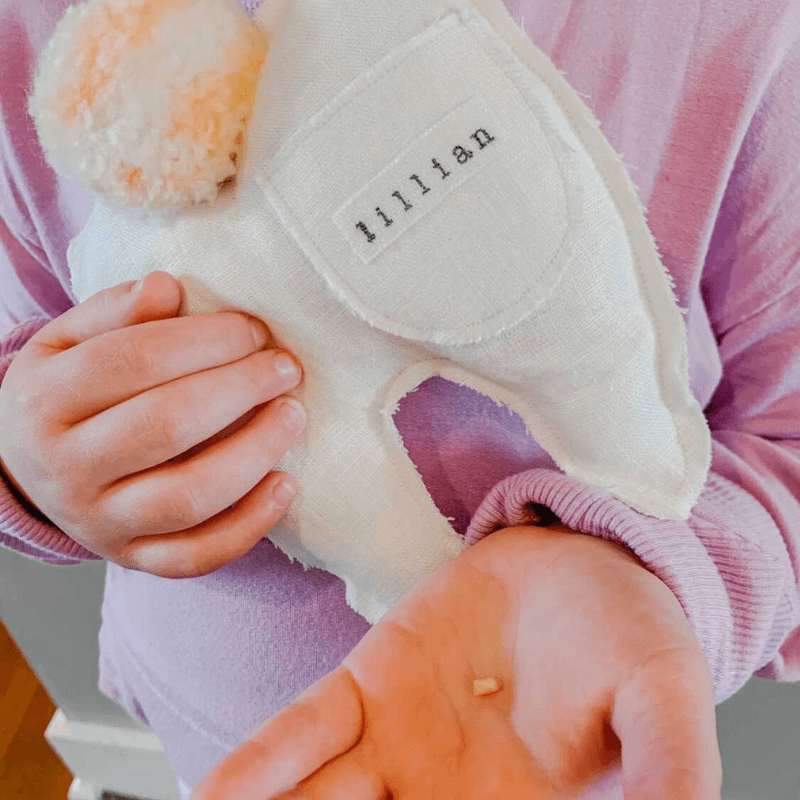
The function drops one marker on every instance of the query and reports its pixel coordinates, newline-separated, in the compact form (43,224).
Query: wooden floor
(29,769)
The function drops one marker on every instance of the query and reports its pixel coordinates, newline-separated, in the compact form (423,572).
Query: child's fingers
(113,309)
(210,546)
(188,498)
(325,721)
(121,364)
(181,417)
(665,718)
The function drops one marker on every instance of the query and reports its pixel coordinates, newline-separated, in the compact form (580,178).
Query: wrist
(19,494)
(559,530)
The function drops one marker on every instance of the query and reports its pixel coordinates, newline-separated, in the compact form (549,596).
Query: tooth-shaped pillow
(422,193)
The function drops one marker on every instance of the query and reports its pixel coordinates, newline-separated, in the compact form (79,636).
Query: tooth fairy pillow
(399,191)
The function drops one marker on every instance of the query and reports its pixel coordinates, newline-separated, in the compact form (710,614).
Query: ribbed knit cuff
(38,537)
(736,596)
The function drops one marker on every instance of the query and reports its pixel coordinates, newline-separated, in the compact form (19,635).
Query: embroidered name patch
(438,201)
(415,182)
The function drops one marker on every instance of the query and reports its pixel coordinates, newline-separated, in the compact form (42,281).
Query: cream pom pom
(146,102)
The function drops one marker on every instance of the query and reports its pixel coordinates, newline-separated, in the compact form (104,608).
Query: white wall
(53,613)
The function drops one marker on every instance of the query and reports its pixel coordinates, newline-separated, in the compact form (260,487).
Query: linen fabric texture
(424,194)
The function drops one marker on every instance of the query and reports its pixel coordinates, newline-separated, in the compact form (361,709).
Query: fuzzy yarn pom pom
(146,102)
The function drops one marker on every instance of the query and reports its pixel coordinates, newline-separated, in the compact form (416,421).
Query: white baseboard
(107,758)
(80,790)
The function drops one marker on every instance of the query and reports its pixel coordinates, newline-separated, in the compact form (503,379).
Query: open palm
(596,658)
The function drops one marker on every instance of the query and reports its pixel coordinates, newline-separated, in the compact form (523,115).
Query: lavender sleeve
(734,564)
(39,214)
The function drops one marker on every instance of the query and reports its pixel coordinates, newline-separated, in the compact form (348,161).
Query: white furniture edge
(107,758)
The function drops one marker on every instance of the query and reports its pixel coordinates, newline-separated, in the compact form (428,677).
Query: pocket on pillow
(438,201)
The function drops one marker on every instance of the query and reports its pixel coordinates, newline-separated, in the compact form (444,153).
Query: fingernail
(286,366)
(136,286)
(259,333)
(283,494)
(293,414)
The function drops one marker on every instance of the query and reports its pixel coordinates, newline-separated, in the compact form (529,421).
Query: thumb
(665,717)
(325,721)
(159,296)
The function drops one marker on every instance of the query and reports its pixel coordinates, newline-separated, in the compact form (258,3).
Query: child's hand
(591,649)
(102,408)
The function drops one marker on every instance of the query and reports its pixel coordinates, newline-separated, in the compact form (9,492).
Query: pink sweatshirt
(701,98)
